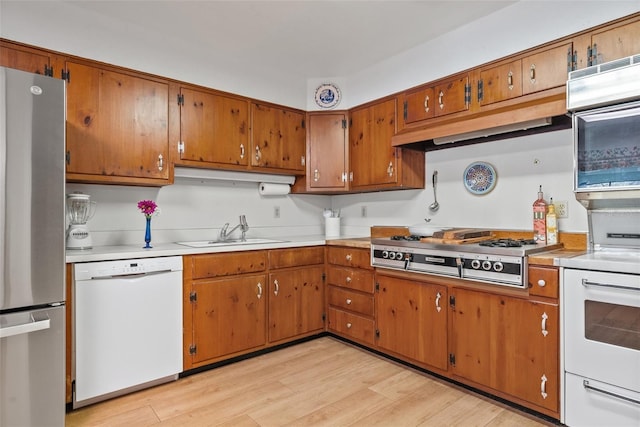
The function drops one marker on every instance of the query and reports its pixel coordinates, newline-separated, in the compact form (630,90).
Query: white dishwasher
(127,326)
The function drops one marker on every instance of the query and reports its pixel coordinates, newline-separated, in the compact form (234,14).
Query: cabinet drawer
(349,257)
(350,300)
(351,326)
(360,280)
(543,281)
(225,264)
(282,258)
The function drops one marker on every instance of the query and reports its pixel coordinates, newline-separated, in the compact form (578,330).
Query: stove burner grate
(410,238)
(508,243)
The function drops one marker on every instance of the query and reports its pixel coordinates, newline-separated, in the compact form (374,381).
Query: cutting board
(459,236)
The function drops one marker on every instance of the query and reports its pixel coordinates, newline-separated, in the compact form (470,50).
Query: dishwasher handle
(131,275)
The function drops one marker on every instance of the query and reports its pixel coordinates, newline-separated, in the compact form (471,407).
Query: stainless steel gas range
(498,261)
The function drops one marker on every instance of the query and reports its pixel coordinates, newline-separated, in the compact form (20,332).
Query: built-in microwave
(605,104)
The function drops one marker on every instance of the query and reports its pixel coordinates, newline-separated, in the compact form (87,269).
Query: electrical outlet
(276,211)
(363,212)
(562,209)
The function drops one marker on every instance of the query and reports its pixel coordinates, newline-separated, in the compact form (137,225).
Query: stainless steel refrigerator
(32,241)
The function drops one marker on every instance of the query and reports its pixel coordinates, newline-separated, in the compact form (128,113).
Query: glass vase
(147,235)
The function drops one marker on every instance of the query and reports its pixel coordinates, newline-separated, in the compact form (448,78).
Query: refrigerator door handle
(25,328)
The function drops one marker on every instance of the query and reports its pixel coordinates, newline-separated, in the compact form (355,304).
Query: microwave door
(607,144)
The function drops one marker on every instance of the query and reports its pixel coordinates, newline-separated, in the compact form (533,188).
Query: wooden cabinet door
(228,316)
(500,83)
(546,70)
(417,105)
(615,43)
(296,302)
(213,128)
(452,96)
(278,138)
(116,126)
(508,344)
(26,59)
(328,152)
(373,161)
(412,319)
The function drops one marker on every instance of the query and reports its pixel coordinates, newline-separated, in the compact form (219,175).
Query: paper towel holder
(273,189)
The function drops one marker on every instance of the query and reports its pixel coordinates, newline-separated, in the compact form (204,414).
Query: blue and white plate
(327,95)
(479,178)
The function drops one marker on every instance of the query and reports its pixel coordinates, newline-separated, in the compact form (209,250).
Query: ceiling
(307,38)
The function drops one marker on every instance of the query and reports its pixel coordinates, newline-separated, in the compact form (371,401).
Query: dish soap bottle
(552,224)
(539,219)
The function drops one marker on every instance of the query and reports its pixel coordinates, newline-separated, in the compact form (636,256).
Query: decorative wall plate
(479,178)
(327,95)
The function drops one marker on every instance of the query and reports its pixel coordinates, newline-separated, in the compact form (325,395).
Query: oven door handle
(585,384)
(586,283)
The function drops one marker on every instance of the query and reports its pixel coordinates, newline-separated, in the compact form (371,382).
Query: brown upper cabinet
(278,137)
(327,152)
(14,55)
(607,43)
(374,163)
(214,129)
(117,126)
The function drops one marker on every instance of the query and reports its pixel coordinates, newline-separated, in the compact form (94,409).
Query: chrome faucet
(243,226)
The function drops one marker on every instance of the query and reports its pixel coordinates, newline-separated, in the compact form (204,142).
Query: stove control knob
(486,265)
(475,264)
(399,255)
(385,254)
(497,266)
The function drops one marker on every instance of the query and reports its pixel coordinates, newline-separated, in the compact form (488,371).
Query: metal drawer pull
(544,324)
(258,154)
(585,384)
(348,279)
(586,282)
(160,162)
(25,328)
(277,289)
(348,301)
(543,386)
(438,296)
(349,325)
(532,73)
(348,257)
(510,80)
(440,99)
(242,151)
(542,283)
(426,104)
(259,290)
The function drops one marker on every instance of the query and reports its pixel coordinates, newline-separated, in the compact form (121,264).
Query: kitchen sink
(230,242)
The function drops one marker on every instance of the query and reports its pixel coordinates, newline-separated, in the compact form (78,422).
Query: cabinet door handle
(543,386)
(277,287)
(542,283)
(438,296)
(543,324)
(160,162)
(349,257)
(426,104)
(348,279)
(348,301)
(316,175)
(390,169)
(510,80)
(349,325)
(258,154)
(303,161)
(532,73)
(259,290)
(441,99)
(242,151)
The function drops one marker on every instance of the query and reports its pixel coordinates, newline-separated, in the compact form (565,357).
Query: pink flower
(147,207)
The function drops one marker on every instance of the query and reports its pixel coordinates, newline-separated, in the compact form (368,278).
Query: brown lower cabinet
(239,302)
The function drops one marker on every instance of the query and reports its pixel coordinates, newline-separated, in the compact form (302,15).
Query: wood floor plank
(323,382)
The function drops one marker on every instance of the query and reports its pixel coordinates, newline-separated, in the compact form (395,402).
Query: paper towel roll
(269,189)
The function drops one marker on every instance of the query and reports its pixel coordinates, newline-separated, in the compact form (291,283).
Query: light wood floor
(323,382)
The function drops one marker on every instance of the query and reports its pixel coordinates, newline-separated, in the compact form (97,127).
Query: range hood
(525,119)
(204,175)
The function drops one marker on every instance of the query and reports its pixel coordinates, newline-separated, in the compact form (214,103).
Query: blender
(79,210)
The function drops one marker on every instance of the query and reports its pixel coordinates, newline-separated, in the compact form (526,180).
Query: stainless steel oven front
(602,348)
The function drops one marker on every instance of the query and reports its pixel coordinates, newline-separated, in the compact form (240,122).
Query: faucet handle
(243,223)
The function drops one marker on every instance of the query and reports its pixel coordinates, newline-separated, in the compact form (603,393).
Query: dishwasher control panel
(126,267)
